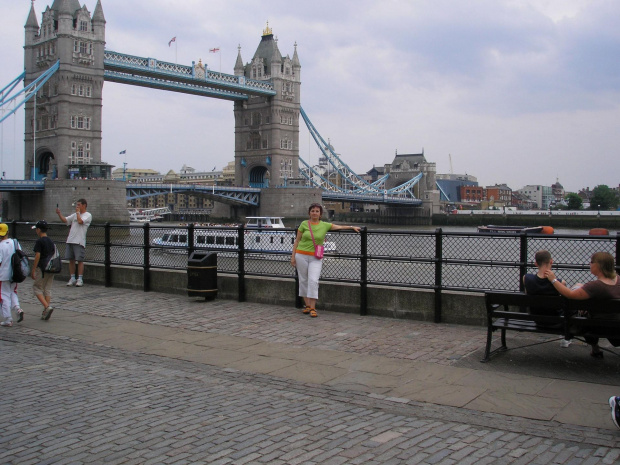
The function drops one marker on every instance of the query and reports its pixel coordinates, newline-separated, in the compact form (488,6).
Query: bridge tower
(66,114)
(267,128)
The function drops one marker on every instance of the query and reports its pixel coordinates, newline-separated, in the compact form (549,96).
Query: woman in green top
(308,266)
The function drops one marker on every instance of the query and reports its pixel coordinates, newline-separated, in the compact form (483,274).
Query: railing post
(190,240)
(107,260)
(617,251)
(438,273)
(14,229)
(241,265)
(522,258)
(364,272)
(147,258)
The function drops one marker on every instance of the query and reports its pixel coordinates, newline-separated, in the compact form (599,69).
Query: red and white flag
(174,39)
(214,50)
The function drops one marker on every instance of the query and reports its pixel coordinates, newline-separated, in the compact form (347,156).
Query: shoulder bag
(319,250)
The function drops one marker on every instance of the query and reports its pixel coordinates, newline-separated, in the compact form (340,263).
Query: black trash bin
(202,275)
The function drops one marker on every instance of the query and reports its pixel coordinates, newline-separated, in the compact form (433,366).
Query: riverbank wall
(462,219)
(385,301)
(555,221)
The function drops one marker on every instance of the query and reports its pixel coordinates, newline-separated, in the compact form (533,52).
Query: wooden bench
(509,311)
(501,316)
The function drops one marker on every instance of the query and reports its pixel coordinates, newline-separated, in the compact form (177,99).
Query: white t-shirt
(7,249)
(77,234)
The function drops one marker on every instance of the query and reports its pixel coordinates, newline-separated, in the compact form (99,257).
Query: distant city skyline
(516,93)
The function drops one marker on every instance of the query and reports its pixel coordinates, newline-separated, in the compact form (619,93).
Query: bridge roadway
(249,196)
(197,80)
(121,376)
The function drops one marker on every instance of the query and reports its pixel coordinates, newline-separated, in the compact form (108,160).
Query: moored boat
(262,234)
(495,229)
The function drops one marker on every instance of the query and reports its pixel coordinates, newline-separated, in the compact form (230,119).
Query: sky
(510,91)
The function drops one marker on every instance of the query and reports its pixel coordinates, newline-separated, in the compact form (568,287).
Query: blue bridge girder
(248,196)
(11,185)
(149,72)
(352,196)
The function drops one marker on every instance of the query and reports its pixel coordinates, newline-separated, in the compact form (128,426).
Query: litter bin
(202,275)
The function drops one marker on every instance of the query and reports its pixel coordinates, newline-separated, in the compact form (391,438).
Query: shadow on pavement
(550,361)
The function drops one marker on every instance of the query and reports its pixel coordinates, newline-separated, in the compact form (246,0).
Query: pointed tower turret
(31,22)
(239,63)
(296,65)
(31,31)
(98,14)
(98,22)
(276,60)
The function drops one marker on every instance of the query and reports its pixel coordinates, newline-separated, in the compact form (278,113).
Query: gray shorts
(75,252)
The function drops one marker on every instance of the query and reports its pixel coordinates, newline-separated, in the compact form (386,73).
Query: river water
(397,256)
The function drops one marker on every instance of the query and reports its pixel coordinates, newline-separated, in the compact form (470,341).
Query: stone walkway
(120,376)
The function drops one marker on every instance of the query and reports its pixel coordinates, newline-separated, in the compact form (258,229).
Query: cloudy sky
(514,91)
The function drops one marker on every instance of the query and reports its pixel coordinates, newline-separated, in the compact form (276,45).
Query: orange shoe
(306,310)
(313,313)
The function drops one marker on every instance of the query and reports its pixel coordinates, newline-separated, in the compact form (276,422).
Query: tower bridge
(66,64)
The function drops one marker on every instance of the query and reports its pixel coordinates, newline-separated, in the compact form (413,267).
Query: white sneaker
(79,282)
(7,323)
(71,282)
(565,343)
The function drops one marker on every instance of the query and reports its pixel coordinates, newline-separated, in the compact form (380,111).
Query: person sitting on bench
(605,286)
(538,284)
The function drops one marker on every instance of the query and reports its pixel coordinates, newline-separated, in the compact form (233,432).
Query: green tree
(574,201)
(603,198)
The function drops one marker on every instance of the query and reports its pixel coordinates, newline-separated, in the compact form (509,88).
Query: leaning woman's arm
(575,294)
(336,227)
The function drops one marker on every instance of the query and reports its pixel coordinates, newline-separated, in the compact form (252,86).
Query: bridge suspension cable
(28,91)
(341,167)
(360,186)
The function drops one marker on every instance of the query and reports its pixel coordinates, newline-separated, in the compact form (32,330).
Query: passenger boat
(262,234)
(146,216)
(493,229)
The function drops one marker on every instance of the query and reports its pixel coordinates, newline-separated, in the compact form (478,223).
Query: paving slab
(410,361)
(307,372)
(522,405)
(441,393)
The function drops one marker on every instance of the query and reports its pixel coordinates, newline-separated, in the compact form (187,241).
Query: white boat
(262,234)
(146,216)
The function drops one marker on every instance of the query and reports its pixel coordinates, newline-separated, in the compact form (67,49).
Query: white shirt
(77,234)
(7,249)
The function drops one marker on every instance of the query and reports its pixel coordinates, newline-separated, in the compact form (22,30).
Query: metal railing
(434,260)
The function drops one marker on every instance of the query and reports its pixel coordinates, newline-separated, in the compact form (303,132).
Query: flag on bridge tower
(174,39)
(217,50)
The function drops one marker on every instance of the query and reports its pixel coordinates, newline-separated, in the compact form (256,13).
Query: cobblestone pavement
(67,401)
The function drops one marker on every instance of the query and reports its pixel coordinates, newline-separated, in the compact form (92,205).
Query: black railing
(434,260)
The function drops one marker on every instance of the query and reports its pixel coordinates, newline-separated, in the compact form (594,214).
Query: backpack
(19,264)
(54,264)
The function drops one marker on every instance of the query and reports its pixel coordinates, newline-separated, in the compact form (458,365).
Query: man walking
(76,242)
(44,249)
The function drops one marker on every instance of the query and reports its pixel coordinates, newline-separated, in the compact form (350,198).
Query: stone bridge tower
(267,128)
(67,111)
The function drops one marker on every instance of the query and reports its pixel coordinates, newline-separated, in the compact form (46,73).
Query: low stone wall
(107,201)
(393,302)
